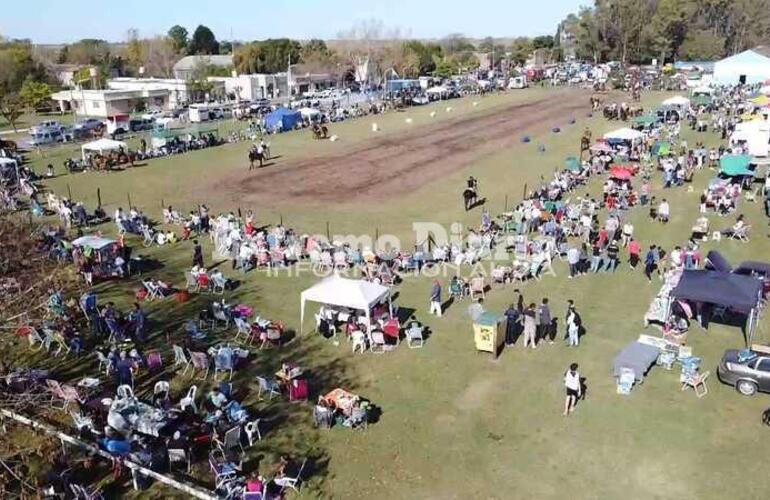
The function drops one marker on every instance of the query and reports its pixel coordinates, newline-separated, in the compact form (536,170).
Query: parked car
(748,376)
(46,126)
(88,125)
(50,136)
(138,124)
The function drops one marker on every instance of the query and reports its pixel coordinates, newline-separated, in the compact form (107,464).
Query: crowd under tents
(337,291)
(739,293)
(102,146)
(646,121)
(677,100)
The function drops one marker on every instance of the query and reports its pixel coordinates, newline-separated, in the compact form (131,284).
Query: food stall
(488,332)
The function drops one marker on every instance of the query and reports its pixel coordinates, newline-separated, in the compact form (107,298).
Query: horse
(470,197)
(320,131)
(766,417)
(585,142)
(255,155)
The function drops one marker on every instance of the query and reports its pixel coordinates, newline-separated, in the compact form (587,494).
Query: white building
(125,95)
(749,67)
(184,69)
(253,87)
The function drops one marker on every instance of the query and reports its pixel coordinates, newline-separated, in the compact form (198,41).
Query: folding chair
(244,328)
(414,336)
(189,399)
(698,383)
(293,483)
(218,286)
(153,292)
(222,469)
(200,362)
(223,361)
(192,283)
(125,392)
(162,387)
(231,442)
(478,286)
(149,238)
(180,358)
(220,315)
(154,361)
(268,386)
(104,362)
(33,337)
(252,430)
(377,342)
(178,455)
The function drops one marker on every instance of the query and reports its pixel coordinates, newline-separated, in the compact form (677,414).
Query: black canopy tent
(716,262)
(738,292)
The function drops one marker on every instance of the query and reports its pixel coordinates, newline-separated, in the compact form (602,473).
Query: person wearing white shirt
(574,388)
(573,258)
(628,233)
(664,211)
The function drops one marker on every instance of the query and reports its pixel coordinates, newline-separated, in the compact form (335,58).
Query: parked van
(199,113)
(50,136)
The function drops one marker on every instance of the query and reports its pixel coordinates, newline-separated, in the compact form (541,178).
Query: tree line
(637,31)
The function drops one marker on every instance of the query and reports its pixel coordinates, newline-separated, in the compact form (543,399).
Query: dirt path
(404,161)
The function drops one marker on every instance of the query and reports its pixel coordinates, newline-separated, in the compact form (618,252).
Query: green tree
(521,48)
(135,49)
(11,108)
(543,42)
(89,51)
(178,35)
(267,56)
(34,93)
(203,41)
(426,54)
(702,45)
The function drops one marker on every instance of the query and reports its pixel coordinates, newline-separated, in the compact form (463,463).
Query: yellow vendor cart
(489,332)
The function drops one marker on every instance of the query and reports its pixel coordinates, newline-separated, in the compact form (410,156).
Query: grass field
(456,423)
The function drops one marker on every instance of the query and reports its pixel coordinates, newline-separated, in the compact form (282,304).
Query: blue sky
(55,21)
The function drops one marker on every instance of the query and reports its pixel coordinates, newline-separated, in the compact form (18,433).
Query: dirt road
(405,161)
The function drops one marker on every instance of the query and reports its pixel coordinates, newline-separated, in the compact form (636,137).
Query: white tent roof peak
(677,100)
(625,134)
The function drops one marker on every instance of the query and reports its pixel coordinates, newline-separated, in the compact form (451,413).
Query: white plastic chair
(180,358)
(125,392)
(252,430)
(104,362)
(189,399)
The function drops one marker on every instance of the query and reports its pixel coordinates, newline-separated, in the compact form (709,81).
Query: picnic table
(342,399)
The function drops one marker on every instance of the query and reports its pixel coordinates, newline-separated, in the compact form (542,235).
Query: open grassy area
(456,423)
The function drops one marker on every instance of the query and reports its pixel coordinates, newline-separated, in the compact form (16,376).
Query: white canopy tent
(342,292)
(677,100)
(309,113)
(102,145)
(624,134)
(756,134)
(440,90)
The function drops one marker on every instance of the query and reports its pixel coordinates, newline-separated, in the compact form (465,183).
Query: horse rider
(473,184)
(264,147)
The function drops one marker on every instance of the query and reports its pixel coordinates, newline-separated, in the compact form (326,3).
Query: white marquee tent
(677,100)
(624,134)
(102,145)
(342,292)
(756,135)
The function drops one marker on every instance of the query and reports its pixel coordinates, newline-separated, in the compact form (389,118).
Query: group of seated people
(178,145)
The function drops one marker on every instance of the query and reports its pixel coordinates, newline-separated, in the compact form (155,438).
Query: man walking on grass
(435,299)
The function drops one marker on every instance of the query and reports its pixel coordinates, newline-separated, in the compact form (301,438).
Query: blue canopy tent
(283,119)
(734,291)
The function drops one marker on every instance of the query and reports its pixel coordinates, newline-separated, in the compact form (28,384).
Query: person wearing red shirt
(634,253)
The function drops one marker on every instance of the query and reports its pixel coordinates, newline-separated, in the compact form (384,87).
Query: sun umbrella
(620,172)
(661,148)
(762,100)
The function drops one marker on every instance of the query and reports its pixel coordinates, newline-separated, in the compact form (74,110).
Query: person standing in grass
(573,258)
(545,322)
(197,254)
(573,322)
(634,253)
(435,299)
(530,326)
(574,388)
(651,262)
